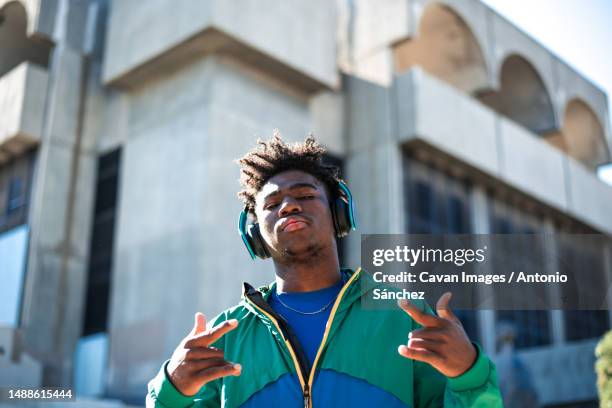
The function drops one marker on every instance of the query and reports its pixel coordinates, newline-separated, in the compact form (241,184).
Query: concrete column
(373,163)
(557,322)
(60,214)
(481,225)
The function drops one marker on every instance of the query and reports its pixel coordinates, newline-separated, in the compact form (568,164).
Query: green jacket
(357,341)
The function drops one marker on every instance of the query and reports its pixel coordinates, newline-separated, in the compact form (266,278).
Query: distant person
(305,340)
(516,382)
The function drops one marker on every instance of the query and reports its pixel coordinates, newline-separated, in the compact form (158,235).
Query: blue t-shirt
(308,328)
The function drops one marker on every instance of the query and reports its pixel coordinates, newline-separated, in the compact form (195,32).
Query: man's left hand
(441,342)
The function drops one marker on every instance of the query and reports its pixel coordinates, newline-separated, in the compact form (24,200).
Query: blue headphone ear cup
(341,217)
(256,241)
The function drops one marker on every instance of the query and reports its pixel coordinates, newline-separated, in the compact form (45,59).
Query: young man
(305,339)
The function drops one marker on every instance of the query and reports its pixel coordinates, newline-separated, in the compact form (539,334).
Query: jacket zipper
(328,326)
(294,358)
(306,396)
(307,385)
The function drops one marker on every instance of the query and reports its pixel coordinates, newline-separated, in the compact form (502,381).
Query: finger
(199,365)
(423,344)
(443,309)
(221,329)
(214,334)
(424,355)
(419,316)
(199,324)
(213,373)
(428,333)
(198,353)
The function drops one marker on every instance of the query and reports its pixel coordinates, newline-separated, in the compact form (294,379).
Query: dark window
(15,189)
(16,195)
(532,326)
(456,216)
(585,324)
(584,255)
(101,247)
(422,220)
(437,204)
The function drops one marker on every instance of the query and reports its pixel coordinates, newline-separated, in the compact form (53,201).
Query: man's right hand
(194,362)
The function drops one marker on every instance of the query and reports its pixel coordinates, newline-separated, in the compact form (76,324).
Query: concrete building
(120,122)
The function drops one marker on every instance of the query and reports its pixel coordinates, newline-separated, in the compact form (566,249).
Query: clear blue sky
(578,31)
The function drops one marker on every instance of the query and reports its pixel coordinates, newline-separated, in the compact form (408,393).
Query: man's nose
(290,205)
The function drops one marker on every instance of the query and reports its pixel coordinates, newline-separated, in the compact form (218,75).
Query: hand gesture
(441,342)
(194,362)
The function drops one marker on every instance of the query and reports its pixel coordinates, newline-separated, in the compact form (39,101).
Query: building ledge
(23,93)
(432,112)
(208,42)
(279,40)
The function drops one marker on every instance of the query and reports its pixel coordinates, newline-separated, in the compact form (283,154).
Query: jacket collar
(362,283)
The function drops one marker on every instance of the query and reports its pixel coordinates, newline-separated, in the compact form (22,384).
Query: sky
(578,31)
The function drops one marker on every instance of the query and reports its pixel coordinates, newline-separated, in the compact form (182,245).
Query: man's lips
(293,224)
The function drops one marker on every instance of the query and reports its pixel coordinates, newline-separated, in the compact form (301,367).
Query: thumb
(443,309)
(199,324)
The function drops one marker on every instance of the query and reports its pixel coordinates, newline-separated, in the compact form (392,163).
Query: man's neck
(307,277)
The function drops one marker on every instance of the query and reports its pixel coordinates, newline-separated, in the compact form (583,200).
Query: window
(438,204)
(15,188)
(101,247)
(584,253)
(532,326)
(585,324)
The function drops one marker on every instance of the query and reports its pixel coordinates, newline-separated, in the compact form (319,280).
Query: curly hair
(274,156)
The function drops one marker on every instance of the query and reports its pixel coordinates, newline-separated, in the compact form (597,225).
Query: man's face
(294,217)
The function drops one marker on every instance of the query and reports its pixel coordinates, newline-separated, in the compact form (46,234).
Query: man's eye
(271,205)
(306,197)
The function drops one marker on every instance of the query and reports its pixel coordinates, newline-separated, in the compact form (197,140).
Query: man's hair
(274,156)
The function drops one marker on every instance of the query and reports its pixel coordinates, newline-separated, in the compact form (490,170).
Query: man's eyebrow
(295,186)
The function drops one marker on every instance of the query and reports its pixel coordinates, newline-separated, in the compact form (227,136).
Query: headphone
(343,217)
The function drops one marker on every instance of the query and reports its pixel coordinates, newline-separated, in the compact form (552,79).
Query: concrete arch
(582,135)
(25,6)
(446,47)
(15,44)
(523,96)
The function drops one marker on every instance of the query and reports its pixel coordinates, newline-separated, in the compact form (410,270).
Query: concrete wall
(569,86)
(532,165)
(468,130)
(590,199)
(140,36)
(23,94)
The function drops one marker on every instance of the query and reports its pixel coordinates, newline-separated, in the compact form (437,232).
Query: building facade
(120,123)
